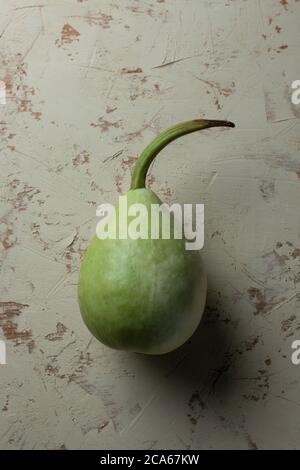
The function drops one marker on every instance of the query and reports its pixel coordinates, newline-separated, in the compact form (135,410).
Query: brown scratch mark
(36,115)
(227,363)
(166,191)
(151,124)
(149,12)
(69,252)
(281,48)
(196,407)
(287,324)
(98,19)
(10,331)
(5,406)
(83,363)
(7,237)
(63,446)
(24,101)
(52,370)
(128,162)
(59,168)
(218,234)
(267,189)
(130,136)
(119,182)
(105,125)
(250,344)
(261,385)
(81,158)
(128,71)
(8,79)
(274,258)
(30,345)
(110,110)
(224,91)
(35,229)
(263,302)
(217,90)
(143,79)
(285,4)
(215,314)
(270,106)
(250,397)
(68,35)
(21,195)
(102,426)
(135,9)
(296,253)
(94,187)
(9,310)
(279,262)
(252,445)
(284,161)
(278,29)
(126,165)
(58,335)
(68,32)
(150,180)
(137,89)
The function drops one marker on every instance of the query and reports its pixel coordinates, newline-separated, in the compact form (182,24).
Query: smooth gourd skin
(144,295)
(141,295)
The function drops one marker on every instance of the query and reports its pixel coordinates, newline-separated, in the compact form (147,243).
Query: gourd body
(141,295)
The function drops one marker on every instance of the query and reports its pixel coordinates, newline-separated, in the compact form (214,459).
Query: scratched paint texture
(88,84)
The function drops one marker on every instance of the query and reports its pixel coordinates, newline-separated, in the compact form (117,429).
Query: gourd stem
(143,163)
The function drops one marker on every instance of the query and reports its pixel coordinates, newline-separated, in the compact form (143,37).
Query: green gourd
(144,295)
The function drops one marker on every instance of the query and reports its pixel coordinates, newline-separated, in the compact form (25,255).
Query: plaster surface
(88,84)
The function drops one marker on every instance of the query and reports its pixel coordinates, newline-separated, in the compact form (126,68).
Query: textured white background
(88,79)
